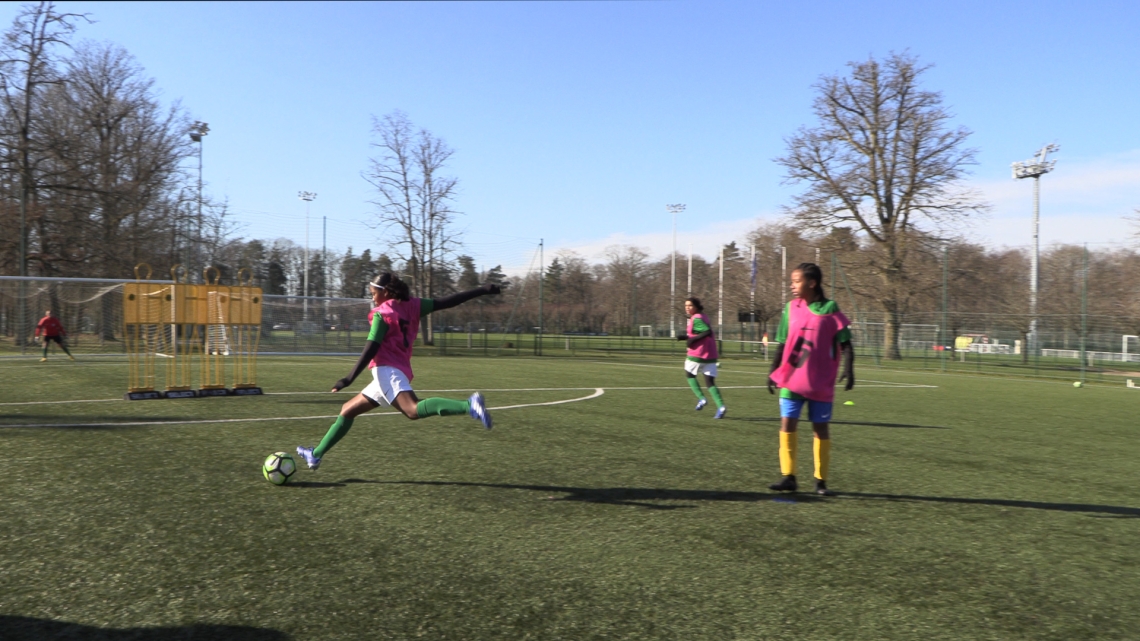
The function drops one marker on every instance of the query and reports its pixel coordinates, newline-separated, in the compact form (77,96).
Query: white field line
(759,373)
(861,385)
(598,391)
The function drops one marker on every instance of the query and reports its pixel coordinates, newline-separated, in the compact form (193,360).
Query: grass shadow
(84,421)
(771,419)
(629,496)
(1115,511)
(313,484)
(17,628)
(639,497)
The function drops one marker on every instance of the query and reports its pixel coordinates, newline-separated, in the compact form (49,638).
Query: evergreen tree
(468,276)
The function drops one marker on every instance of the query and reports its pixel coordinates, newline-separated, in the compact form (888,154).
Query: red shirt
(50,326)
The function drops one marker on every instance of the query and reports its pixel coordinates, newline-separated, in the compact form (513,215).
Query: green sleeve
(427,306)
(782,330)
(843,335)
(379,328)
(699,326)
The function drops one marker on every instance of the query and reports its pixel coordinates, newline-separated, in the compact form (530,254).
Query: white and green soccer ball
(278,468)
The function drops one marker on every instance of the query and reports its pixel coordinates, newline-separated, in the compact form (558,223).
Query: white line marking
(598,391)
(861,385)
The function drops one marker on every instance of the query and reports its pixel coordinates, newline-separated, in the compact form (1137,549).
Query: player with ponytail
(395,321)
(812,336)
(701,355)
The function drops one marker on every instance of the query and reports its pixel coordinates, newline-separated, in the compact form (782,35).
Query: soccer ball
(278,468)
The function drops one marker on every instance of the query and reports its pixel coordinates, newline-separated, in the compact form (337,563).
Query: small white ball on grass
(1078,384)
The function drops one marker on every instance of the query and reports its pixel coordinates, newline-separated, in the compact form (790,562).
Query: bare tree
(27,62)
(110,142)
(884,160)
(414,199)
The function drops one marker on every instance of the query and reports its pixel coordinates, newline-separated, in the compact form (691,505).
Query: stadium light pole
(1034,168)
(673,209)
(197,132)
(308,197)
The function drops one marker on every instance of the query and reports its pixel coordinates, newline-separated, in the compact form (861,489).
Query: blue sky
(577,122)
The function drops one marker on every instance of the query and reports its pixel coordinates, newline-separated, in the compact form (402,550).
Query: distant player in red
(52,330)
(395,320)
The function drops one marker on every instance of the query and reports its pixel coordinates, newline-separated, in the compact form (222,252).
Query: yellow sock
(822,457)
(787,453)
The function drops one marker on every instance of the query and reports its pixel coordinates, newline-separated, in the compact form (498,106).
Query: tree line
(94,180)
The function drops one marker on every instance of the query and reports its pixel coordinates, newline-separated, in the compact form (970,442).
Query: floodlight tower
(673,209)
(198,131)
(1034,168)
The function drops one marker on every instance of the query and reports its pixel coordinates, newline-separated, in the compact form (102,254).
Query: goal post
(1128,341)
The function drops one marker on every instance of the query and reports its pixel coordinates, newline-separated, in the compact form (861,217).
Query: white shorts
(694,368)
(386,383)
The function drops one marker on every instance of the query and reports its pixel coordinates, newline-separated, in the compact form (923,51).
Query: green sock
(696,387)
(715,393)
(45,349)
(336,432)
(441,407)
(67,351)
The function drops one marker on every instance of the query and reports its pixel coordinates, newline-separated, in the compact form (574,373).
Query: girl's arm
(848,365)
(701,333)
(777,360)
(447,302)
(371,346)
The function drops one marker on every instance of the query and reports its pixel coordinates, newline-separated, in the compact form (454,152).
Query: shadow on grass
(632,496)
(776,419)
(85,422)
(14,628)
(312,484)
(1114,511)
(638,497)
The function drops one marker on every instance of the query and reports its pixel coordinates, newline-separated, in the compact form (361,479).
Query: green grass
(979,508)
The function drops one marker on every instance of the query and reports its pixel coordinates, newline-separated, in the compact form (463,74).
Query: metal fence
(1068,346)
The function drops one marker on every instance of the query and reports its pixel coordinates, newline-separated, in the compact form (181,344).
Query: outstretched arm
(848,365)
(447,302)
(371,346)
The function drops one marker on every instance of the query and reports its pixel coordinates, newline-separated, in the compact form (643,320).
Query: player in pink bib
(812,336)
(395,322)
(701,356)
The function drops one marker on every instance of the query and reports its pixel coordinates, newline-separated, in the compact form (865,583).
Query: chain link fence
(1068,346)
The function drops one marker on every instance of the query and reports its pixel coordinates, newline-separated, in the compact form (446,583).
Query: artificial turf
(969,508)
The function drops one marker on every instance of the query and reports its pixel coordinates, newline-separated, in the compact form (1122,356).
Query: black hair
(696,302)
(392,284)
(811,271)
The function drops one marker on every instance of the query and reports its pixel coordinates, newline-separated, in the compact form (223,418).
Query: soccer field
(600,507)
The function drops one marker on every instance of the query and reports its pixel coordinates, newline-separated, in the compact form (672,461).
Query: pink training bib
(403,319)
(705,349)
(811,357)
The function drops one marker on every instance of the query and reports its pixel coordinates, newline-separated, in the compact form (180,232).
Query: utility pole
(783,275)
(1034,168)
(690,290)
(541,277)
(720,300)
(752,293)
(673,209)
(308,197)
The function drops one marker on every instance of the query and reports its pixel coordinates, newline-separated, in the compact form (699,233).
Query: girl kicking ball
(395,320)
(813,333)
(701,356)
